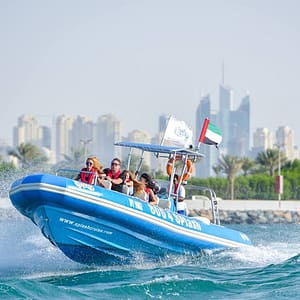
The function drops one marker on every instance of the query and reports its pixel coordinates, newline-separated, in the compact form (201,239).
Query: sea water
(32,268)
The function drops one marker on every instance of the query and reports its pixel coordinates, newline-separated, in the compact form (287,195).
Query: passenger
(179,192)
(90,173)
(128,182)
(151,188)
(100,173)
(139,190)
(115,176)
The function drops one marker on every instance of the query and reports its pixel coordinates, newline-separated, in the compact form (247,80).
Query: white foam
(262,255)
(5,203)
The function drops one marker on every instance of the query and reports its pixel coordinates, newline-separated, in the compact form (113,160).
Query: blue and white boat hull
(93,225)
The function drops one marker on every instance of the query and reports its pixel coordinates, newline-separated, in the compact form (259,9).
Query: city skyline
(108,121)
(141,59)
(81,133)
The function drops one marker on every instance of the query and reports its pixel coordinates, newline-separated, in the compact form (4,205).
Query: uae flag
(210,134)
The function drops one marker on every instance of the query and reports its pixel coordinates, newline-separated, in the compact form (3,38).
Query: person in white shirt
(179,191)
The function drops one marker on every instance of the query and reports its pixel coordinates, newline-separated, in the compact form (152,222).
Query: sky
(140,59)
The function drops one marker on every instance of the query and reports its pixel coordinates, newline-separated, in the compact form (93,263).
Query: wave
(31,267)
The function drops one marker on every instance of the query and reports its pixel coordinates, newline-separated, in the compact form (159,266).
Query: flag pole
(163,138)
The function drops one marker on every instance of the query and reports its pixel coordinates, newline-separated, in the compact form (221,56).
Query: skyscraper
(204,167)
(64,125)
(285,140)
(27,131)
(262,140)
(235,125)
(82,134)
(224,116)
(239,139)
(107,132)
(138,136)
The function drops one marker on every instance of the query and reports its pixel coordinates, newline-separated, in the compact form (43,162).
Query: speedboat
(94,225)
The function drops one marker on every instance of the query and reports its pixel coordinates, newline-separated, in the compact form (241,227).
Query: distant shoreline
(248,211)
(251,216)
(200,202)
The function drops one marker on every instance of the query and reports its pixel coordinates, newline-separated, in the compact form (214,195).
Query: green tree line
(235,177)
(244,178)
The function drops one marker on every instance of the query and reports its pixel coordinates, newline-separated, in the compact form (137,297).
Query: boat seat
(203,219)
(106,183)
(125,189)
(164,203)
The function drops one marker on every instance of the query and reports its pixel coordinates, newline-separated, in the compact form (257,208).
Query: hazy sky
(139,59)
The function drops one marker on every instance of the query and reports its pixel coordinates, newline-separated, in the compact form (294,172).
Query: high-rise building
(64,125)
(107,132)
(162,123)
(225,114)
(262,140)
(27,131)
(285,140)
(138,136)
(204,168)
(45,137)
(235,125)
(239,140)
(82,134)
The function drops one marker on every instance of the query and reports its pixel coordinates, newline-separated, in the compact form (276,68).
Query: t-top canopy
(162,149)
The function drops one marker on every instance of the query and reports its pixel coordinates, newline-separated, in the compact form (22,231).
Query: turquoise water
(31,268)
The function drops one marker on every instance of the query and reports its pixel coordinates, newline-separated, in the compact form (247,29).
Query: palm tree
(76,159)
(217,169)
(28,155)
(248,165)
(134,162)
(230,165)
(269,159)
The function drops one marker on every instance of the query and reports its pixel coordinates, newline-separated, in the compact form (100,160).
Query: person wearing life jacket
(114,175)
(151,188)
(90,173)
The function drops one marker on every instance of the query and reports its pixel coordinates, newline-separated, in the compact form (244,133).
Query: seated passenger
(100,173)
(128,182)
(115,176)
(139,190)
(90,173)
(151,188)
